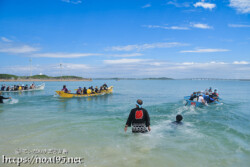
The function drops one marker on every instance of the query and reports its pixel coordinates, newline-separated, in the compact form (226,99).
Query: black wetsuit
(96,90)
(139,118)
(84,91)
(105,86)
(193,97)
(177,123)
(1,99)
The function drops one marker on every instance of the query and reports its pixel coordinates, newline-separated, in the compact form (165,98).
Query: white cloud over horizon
(73,1)
(18,49)
(64,55)
(205,5)
(146,46)
(242,6)
(148,68)
(201,26)
(124,61)
(240,62)
(146,6)
(191,25)
(178,5)
(239,25)
(125,55)
(167,28)
(4,39)
(204,50)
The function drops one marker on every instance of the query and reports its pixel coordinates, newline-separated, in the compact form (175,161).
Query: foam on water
(11,101)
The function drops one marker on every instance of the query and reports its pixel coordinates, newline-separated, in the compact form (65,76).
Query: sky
(126,38)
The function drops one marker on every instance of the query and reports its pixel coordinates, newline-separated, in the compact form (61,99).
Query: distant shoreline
(43,80)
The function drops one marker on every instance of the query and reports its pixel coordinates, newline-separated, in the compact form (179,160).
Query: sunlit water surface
(92,128)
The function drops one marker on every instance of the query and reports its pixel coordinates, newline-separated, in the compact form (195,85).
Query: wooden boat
(70,95)
(39,87)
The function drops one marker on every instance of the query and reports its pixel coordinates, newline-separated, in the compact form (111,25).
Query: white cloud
(5,39)
(73,1)
(239,25)
(179,5)
(20,49)
(204,51)
(148,68)
(48,69)
(124,61)
(146,46)
(242,6)
(241,62)
(146,6)
(74,66)
(205,5)
(202,26)
(167,28)
(126,55)
(64,55)
(194,25)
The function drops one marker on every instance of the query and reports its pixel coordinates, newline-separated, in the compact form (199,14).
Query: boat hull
(70,95)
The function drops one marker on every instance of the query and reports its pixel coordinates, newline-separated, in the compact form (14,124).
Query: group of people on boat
(84,90)
(17,87)
(208,96)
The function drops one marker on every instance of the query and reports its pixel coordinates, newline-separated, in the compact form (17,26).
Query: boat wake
(12,101)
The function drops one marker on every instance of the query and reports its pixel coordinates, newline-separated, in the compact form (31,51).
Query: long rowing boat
(70,95)
(39,87)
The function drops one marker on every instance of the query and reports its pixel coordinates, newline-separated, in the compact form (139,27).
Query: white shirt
(200,99)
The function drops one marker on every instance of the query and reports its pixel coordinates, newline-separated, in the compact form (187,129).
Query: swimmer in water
(178,120)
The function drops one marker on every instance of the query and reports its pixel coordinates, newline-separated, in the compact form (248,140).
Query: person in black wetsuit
(3,87)
(105,86)
(1,98)
(96,90)
(139,118)
(178,120)
(84,90)
(193,96)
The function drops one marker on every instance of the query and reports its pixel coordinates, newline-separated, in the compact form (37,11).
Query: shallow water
(217,135)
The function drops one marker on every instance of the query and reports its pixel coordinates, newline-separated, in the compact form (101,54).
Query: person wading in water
(1,97)
(139,119)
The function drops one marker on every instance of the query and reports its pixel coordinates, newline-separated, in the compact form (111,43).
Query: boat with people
(85,92)
(203,98)
(22,88)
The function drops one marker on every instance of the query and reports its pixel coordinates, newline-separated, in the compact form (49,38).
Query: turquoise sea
(93,128)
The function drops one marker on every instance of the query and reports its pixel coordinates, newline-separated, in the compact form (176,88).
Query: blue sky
(126,38)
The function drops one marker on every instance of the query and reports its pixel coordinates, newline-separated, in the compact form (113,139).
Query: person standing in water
(1,97)
(139,119)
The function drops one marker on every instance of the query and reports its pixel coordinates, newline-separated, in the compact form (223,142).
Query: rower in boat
(193,96)
(84,91)
(79,91)
(3,87)
(105,86)
(96,90)
(65,89)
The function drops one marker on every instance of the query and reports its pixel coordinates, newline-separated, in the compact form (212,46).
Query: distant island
(13,78)
(160,78)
